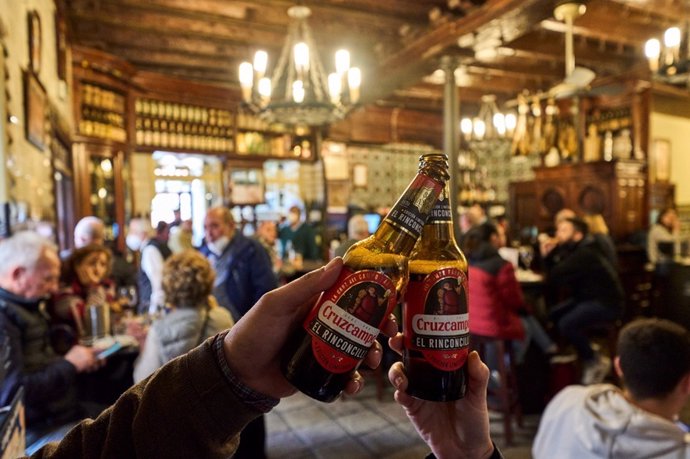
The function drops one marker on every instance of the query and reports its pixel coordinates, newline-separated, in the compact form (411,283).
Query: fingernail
(398,382)
(330,266)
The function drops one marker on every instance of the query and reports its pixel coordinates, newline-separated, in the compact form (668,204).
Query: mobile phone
(107,352)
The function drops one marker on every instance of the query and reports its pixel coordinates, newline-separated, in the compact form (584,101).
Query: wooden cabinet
(614,189)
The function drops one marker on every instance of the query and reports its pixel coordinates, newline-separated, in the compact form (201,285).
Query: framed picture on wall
(247,186)
(35,110)
(660,161)
(360,174)
(35,41)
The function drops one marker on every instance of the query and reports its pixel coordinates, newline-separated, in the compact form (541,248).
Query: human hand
(253,346)
(458,429)
(84,359)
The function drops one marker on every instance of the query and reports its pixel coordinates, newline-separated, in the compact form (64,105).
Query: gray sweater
(176,333)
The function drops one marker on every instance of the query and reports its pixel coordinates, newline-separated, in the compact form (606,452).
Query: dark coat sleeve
(262,277)
(49,384)
(186,409)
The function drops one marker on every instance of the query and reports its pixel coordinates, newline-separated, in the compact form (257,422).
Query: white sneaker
(596,371)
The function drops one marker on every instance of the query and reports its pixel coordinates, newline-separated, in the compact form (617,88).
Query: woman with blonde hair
(194,314)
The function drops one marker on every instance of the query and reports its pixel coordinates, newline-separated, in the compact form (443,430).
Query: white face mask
(133,241)
(218,245)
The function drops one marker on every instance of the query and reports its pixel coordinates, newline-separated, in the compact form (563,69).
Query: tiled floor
(361,428)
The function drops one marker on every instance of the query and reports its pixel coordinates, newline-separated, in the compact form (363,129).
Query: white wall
(676,129)
(29,176)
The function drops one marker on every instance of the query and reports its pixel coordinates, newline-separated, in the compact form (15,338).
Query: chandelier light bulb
(511,122)
(301,53)
(466,126)
(499,121)
(479,128)
(298,91)
(672,37)
(342,61)
(246,74)
(260,62)
(354,81)
(652,49)
(334,87)
(264,88)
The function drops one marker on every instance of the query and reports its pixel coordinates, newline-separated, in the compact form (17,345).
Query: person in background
(177,219)
(195,405)
(599,233)
(267,235)
(154,252)
(83,282)
(243,274)
(495,302)
(194,314)
(300,236)
(357,229)
(181,237)
(639,421)
(594,295)
(29,273)
(88,230)
(665,232)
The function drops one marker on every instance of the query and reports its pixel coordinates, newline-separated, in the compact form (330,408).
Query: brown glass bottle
(435,318)
(322,356)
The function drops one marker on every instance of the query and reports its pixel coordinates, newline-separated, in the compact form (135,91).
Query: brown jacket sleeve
(186,409)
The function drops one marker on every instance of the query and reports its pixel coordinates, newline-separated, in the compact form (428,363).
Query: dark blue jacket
(243,274)
(47,378)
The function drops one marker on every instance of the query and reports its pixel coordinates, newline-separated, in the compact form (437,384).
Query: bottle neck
(439,226)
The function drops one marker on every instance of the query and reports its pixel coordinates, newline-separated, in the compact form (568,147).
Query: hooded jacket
(598,422)
(494,295)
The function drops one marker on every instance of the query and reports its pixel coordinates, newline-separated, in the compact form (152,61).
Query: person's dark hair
(161,227)
(579,225)
(654,356)
(663,213)
(477,236)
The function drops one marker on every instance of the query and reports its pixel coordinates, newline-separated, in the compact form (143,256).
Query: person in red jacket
(496,304)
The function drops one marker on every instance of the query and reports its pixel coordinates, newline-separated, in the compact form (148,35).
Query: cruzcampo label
(347,318)
(412,209)
(436,322)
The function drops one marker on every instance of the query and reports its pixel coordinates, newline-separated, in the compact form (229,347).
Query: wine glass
(127,294)
(526,254)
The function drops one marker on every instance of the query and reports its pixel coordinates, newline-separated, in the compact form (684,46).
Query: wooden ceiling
(502,46)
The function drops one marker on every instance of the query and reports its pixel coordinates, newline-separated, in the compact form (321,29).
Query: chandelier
(489,125)
(670,63)
(300,92)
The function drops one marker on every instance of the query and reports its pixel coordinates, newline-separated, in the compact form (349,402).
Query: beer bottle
(321,356)
(435,318)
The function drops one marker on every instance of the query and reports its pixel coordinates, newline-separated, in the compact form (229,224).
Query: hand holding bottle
(253,346)
(458,429)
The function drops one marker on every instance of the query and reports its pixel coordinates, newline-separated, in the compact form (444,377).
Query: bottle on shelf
(322,355)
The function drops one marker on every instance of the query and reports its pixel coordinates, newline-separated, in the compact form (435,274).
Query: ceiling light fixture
(299,92)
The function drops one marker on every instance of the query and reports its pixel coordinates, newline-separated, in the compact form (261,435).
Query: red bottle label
(347,318)
(412,209)
(436,322)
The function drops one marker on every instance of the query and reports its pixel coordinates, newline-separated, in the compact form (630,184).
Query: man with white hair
(357,229)
(29,272)
(88,230)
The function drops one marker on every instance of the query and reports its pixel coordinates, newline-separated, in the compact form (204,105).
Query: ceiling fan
(576,79)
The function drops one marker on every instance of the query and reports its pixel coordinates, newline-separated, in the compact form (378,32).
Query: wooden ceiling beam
(127,37)
(512,17)
(668,12)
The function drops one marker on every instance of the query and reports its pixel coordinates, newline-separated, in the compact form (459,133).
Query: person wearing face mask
(300,235)
(244,272)
(595,293)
